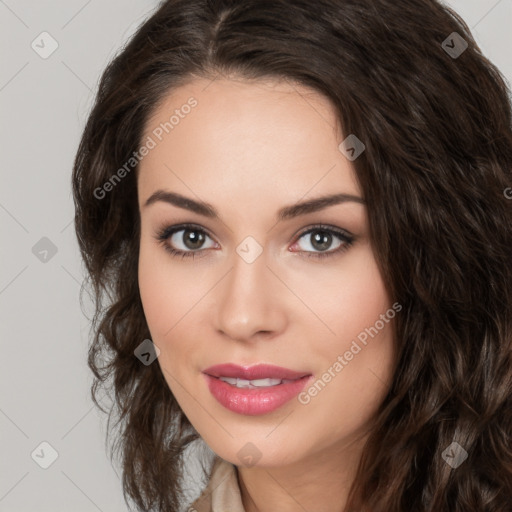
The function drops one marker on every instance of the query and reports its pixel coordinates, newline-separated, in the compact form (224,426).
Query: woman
(298,213)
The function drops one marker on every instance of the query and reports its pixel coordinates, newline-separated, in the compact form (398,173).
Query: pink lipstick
(254,390)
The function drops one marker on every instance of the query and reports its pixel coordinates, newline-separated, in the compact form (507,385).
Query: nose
(249,304)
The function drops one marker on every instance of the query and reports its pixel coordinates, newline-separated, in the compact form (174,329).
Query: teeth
(256,383)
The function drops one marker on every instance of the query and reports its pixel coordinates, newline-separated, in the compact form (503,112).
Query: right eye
(184,240)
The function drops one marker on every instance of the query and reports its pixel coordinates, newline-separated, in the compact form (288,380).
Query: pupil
(193,239)
(321,240)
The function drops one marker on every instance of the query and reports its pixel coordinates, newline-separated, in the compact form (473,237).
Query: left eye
(319,240)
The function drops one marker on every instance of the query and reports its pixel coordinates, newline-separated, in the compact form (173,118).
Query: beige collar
(222,494)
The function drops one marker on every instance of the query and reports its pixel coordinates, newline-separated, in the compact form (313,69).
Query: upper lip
(258,371)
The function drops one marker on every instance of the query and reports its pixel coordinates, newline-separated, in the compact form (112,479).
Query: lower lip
(252,402)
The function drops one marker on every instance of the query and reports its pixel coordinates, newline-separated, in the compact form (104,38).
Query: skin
(250,148)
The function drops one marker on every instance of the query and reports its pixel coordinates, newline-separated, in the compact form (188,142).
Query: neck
(320,482)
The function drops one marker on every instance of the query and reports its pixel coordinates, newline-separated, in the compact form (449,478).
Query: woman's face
(259,279)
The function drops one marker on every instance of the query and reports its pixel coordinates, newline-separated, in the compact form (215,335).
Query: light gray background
(44,377)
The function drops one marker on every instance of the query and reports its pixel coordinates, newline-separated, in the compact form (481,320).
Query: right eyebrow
(180,201)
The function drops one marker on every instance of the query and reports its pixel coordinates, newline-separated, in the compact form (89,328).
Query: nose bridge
(248,302)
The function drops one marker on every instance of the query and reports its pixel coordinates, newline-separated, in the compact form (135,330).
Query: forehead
(224,136)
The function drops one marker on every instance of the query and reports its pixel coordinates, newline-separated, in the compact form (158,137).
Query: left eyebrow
(318,203)
(288,212)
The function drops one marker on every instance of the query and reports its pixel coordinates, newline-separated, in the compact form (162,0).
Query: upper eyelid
(183,227)
(326,227)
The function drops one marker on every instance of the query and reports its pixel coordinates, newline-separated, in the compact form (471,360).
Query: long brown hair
(435,117)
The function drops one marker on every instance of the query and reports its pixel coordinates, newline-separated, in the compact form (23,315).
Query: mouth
(260,375)
(254,383)
(254,390)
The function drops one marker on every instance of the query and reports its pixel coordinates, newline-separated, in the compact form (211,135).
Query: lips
(252,394)
(259,371)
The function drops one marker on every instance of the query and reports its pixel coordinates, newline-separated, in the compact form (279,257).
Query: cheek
(343,399)
(358,361)
(365,338)
(360,302)
(167,290)
(165,303)
(345,298)
(155,300)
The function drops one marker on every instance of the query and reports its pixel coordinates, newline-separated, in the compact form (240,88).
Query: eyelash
(166,232)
